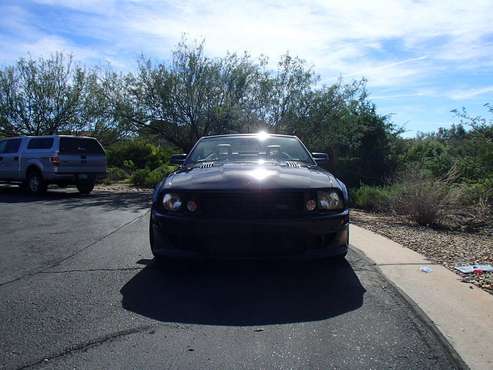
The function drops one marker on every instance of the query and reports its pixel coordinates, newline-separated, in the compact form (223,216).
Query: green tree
(190,97)
(340,119)
(281,95)
(43,96)
(465,148)
(55,96)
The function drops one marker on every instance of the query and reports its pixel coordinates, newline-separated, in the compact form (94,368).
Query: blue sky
(421,58)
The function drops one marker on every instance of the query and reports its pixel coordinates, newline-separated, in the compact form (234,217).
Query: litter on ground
(467,269)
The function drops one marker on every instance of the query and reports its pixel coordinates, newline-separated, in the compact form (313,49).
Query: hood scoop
(293,164)
(206,165)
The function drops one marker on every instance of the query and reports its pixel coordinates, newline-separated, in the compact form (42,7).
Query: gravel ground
(121,187)
(445,247)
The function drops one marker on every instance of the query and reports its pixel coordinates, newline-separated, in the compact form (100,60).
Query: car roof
(247,135)
(47,136)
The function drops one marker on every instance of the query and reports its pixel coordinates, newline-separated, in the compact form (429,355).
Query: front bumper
(188,237)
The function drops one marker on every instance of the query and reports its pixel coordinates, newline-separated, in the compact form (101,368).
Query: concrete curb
(462,315)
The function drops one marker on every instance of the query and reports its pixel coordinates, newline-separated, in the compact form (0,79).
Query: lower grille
(252,205)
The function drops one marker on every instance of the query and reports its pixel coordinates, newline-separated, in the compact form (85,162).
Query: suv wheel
(35,183)
(85,188)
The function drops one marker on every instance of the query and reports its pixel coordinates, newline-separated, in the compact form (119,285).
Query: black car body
(262,203)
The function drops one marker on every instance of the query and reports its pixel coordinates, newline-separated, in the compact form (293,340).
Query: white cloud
(48,45)
(470,93)
(95,6)
(340,38)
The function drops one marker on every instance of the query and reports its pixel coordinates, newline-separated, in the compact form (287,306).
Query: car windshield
(250,149)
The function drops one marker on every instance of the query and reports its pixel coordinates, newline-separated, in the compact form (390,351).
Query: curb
(460,316)
(420,314)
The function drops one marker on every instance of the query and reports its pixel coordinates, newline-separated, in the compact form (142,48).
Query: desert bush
(139,177)
(469,207)
(431,202)
(372,198)
(468,218)
(149,179)
(129,166)
(474,192)
(423,200)
(137,154)
(115,174)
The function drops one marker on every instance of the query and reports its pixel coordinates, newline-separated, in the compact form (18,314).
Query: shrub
(115,174)
(470,206)
(477,191)
(149,179)
(423,200)
(139,177)
(372,198)
(129,166)
(137,154)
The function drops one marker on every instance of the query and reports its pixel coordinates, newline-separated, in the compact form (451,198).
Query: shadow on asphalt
(243,293)
(70,198)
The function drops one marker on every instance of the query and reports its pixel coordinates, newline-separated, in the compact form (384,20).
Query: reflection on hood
(250,175)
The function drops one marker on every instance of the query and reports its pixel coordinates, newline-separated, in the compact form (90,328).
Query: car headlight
(172,202)
(329,200)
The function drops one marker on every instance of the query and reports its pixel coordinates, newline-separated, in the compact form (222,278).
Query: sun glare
(261,173)
(262,135)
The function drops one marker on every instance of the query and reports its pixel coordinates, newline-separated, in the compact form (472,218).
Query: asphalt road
(78,289)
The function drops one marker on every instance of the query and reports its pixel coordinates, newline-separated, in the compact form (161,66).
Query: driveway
(79,289)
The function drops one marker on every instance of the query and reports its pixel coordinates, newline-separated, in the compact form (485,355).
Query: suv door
(9,159)
(3,143)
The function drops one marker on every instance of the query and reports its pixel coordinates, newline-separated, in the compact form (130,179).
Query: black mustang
(250,196)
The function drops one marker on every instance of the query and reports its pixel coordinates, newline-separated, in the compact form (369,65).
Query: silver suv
(36,161)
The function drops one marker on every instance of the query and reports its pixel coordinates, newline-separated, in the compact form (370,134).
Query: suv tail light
(55,161)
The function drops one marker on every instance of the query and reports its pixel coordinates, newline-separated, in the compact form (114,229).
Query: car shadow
(71,198)
(243,293)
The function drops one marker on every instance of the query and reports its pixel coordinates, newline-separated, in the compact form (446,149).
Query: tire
(35,183)
(158,260)
(85,188)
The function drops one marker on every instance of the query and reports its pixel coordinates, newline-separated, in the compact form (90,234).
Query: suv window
(74,145)
(40,143)
(12,146)
(3,144)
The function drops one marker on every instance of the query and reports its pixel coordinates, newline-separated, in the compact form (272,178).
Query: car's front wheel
(158,260)
(85,188)
(35,183)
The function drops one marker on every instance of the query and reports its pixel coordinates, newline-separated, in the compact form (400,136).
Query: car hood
(248,176)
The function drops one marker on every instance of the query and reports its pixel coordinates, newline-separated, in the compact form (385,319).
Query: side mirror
(322,159)
(178,159)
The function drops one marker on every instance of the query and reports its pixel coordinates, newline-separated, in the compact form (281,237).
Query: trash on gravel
(476,268)
(425,269)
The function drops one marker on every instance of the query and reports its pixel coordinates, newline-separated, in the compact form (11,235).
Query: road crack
(90,344)
(93,270)
(60,261)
